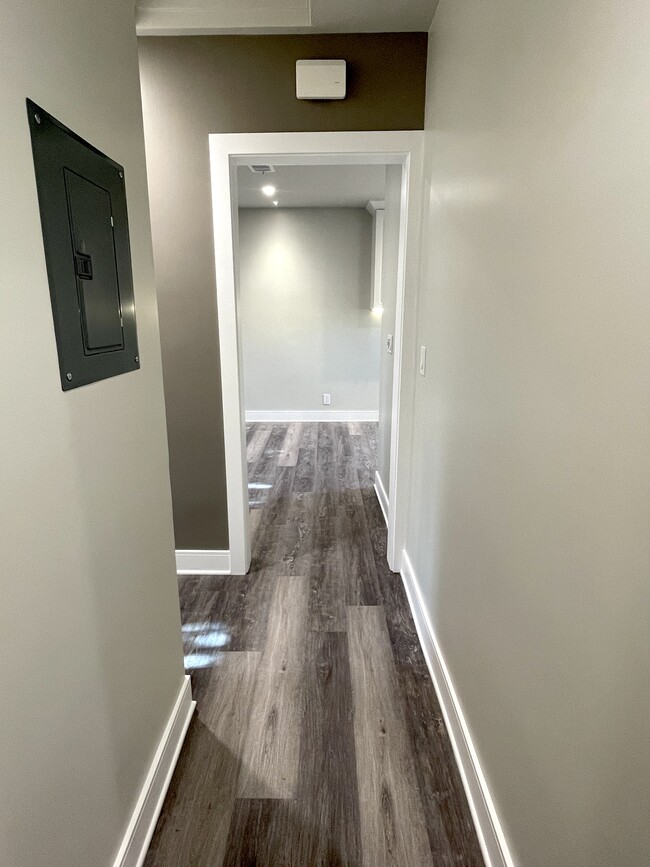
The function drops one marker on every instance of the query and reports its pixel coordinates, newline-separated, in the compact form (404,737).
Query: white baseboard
(380,490)
(140,829)
(488,827)
(281,415)
(195,562)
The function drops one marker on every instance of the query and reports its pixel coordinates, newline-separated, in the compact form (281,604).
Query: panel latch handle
(83,265)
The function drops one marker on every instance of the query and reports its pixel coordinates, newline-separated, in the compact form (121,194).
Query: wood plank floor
(318,739)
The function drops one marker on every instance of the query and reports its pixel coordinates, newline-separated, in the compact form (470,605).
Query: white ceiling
(312,186)
(170,17)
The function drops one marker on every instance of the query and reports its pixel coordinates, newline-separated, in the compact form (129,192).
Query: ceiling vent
(261,168)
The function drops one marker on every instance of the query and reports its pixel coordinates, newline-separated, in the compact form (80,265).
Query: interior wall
(531,471)
(194,86)
(306,322)
(91,660)
(389,257)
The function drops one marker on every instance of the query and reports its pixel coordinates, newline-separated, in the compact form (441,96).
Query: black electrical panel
(82,202)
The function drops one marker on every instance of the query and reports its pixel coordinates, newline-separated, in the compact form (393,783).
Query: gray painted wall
(304,309)
(531,468)
(392,199)
(193,86)
(90,661)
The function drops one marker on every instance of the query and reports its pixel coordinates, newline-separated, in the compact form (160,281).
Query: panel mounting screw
(137,359)
(68,376)
(37,118)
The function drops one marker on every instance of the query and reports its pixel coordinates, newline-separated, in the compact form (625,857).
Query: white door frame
(227,152)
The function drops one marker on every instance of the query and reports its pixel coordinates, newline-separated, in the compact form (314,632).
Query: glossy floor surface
(318,739)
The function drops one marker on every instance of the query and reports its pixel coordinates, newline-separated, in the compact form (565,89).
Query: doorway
(227,153)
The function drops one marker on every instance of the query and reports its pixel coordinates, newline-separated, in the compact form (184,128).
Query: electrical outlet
(389,343)
(327,399)
(423,361)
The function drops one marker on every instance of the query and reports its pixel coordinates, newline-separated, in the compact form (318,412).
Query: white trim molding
(281,415)
(488,827)
(143,820)
(382,496)
(184,19)
(377,147)
(195,562)
(377,211)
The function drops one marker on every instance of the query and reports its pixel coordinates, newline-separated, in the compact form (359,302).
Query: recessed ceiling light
(275,202)
(268,190)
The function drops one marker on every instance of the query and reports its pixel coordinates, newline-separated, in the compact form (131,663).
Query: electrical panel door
(82,202)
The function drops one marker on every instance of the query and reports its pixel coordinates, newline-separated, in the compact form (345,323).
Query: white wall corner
(142,824)
(488,827)
(377,209)
(380,490)
(195,562)
(375,205)
(288,415)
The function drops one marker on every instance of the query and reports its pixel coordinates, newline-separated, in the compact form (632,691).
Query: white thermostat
(320,79)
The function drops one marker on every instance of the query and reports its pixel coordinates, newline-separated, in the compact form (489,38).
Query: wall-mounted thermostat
(320,79)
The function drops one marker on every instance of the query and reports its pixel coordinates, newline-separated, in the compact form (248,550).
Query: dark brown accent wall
(196,85)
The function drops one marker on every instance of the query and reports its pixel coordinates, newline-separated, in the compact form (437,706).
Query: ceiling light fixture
(268,190)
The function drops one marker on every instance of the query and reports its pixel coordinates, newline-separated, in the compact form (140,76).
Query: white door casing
(229,150)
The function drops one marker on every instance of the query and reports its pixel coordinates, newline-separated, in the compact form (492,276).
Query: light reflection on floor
(259,498)
(200,660)
(206,640)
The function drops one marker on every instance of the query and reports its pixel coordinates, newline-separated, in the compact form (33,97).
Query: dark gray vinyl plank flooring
(318,739)
(271,753)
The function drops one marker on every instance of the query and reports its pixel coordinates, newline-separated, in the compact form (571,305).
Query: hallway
(318,739)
